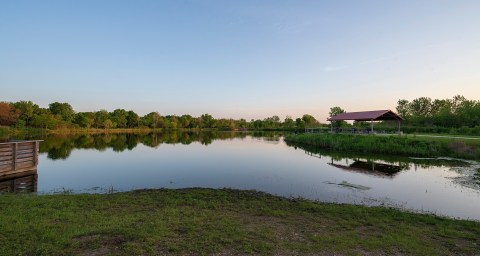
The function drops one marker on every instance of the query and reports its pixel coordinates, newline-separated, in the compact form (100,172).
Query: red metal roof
(376,115)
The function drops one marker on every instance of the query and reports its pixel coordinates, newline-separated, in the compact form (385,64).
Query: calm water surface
(264,162)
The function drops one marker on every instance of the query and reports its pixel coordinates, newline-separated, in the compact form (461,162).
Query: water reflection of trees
(61,146)
(395,163)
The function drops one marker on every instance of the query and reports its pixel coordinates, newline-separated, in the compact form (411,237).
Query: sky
(238,59)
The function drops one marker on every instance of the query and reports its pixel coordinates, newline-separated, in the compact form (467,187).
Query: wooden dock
(18,159)
(24,184)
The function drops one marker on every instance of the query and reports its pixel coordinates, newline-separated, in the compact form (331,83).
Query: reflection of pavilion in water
(366,166)
(18,166)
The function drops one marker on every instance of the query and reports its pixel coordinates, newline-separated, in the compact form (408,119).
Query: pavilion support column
(398,121)
(331,126)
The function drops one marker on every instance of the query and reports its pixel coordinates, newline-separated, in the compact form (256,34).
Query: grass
(207,221)
(392,144)
(447,136)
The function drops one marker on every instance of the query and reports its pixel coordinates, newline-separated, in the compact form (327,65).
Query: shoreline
(220,221)
(400,145)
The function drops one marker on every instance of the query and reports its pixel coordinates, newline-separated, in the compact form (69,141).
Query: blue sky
(240,59)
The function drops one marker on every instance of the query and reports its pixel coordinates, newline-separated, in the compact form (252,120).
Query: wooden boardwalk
(22,184)
(18,159)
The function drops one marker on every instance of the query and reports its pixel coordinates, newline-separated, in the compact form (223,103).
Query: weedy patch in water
(349,185)
(469,176)
(476,177)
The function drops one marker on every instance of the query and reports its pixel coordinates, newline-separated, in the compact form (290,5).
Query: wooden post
(14,156)
(35,181)
(35,153)
(371,126)
(398,121)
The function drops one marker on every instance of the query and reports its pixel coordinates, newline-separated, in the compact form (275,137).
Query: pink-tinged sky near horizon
(240,59)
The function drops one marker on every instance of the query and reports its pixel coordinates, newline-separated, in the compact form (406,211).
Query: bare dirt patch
(93,245)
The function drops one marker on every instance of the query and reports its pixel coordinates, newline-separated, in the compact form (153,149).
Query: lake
(260,161)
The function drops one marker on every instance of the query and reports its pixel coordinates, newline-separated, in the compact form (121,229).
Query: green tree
(63,110)
(421,107)
(27,109)
(100,118)
(309,120)
(403,108)
(299,123)
(119,117)
(152,120)
(207,121)
(185,121)
(242,124)
(133,120)
(271,122)
(108,124)
(171,122)
(288,122)
(335,111)
(84,119)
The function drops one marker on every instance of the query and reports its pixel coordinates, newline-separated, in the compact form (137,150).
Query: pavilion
(372,116)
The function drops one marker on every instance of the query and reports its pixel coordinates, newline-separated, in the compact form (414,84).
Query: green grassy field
(401,145)
(223,222)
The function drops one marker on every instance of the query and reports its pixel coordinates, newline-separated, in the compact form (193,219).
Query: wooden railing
(18,158)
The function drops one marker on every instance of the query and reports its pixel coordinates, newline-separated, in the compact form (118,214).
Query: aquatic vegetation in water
(350,185)
(476,177)
(469,176)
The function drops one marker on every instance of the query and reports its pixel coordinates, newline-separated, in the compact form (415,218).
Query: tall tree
(63,110)
(207,121)
(8,114)
(119,117)
(288,122)
(403,108)
(152,120)
(27,109)
(43,118)
(100,118)
(309,120)
(335,111)
(85,119)
(421,107)
(133,120)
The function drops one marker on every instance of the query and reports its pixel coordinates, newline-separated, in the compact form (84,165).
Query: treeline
(456,115)
(26,114)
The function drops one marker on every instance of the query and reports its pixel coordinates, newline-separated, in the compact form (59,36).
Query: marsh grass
(207,221)
(391,145)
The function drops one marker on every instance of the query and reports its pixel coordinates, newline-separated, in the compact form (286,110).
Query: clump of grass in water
(476,177)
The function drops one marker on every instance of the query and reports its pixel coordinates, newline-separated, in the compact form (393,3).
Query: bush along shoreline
(400,145)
